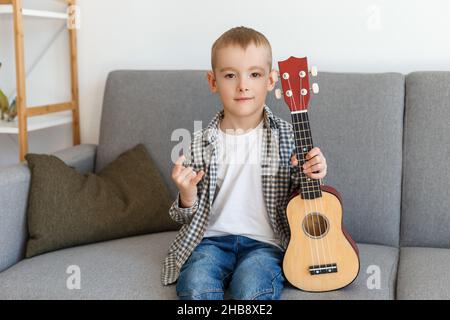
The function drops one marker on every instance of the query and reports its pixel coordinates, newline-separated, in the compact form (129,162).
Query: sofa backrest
(357,121)
(426,165)
(148,107)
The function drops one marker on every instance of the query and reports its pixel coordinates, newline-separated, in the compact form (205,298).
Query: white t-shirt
(239,206)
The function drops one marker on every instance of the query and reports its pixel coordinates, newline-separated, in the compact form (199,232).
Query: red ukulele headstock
(294,78)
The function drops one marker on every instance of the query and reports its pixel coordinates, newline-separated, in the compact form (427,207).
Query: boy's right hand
(186,180)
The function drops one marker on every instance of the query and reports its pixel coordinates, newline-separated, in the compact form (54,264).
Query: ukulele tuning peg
(278,93)
(314,71)
(315,88)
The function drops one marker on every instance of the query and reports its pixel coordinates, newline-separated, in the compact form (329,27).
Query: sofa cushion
(424,273)
(426,192)
(128,268)
(66,208)
(375,281)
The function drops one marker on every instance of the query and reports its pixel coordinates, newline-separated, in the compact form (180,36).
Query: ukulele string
(314,217)
(314,213)
(320,200)
(306,217)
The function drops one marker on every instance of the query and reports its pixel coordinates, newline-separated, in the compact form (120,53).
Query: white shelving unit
(31,118)
(36,123)
(8,9)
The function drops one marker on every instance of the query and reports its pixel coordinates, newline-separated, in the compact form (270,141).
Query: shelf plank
(36,123)
(7,9)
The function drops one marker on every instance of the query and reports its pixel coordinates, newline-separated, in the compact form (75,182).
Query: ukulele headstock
(295,84)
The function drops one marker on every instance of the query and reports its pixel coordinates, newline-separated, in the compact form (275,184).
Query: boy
(235,229)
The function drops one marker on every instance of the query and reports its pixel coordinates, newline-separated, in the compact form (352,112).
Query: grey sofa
(386,138)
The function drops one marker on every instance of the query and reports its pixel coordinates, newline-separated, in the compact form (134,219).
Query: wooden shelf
(36,123)
(49,115)
(8,9)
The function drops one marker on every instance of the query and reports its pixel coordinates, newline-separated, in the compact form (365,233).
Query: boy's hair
(243,37)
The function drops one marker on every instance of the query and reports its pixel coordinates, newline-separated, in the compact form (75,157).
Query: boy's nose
(242,87)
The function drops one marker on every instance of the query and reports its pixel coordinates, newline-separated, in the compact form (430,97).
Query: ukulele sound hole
(315,225)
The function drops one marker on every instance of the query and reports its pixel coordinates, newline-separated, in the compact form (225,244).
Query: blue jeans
(251,269)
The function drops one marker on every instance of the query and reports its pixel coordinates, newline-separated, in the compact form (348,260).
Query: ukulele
(321,256)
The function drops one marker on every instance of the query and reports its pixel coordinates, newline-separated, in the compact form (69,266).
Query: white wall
(348,36)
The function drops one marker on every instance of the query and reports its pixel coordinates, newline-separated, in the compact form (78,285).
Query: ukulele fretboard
(309,188)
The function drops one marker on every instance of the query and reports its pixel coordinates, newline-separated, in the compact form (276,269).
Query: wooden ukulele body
(319,240)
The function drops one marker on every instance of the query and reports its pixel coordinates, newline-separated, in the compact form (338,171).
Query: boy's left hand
(316,165)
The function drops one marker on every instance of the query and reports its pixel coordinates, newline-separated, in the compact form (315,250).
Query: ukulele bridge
(323,268)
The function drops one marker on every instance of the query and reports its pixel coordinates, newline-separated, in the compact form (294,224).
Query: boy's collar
(213,126)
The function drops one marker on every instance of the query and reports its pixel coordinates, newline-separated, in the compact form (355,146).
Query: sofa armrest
(14,188)
(14,185)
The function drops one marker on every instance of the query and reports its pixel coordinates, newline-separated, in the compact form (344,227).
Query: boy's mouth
(243,99)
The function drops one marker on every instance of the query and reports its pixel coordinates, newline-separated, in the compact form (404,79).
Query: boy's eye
(253,74)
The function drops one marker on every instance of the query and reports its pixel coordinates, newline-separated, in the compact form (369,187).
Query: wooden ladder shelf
(23,111)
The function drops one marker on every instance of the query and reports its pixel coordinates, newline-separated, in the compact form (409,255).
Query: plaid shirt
(279,180)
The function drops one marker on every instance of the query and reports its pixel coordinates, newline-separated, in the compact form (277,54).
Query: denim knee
(258,275)
(262,288)
(203,276)
(199,284)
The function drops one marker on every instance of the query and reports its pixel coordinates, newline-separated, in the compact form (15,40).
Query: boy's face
(241,74)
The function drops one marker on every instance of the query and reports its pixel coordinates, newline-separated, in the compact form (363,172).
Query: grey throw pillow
(66,208)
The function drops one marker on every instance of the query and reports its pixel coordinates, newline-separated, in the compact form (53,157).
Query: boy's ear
(211,81)
(273,78)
